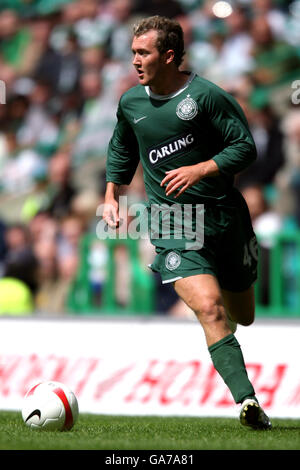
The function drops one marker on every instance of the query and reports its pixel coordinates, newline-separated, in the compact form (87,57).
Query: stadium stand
(64,65)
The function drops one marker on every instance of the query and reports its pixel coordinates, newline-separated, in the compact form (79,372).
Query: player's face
(147,60)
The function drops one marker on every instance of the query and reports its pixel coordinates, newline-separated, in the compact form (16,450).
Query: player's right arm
(111,205)
(122,161)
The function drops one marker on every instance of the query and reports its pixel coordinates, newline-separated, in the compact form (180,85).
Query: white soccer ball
(50,406)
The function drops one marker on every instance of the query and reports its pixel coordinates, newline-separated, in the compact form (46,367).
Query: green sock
(228,360)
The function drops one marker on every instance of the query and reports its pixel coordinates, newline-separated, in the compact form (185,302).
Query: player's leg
(240,306)
(203,295)
(237,263)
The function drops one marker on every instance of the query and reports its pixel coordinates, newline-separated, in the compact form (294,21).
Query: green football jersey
(197,123)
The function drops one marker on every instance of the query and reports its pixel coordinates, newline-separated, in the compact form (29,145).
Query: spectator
(19,280)
(97,118)
(57,259)
(60,68)
(169,8)
(22,264)
(3,247)
(42,227)
(267,223)
(60,189)
(50,298)
(273,59)
(40,30)
(235,55)
(94,24)
(275,17)
(84,206)
(17,237)
(119,40)
(19,167)
(93,58)
(17,109)
(15,40)
(18,284)
(223,47)
(288,179)
(71,231)
(39,129)
(268,137)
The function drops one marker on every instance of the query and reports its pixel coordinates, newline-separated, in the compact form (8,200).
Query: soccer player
(192,138)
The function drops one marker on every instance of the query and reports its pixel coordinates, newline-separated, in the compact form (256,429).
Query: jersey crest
(187,109)
(172,261)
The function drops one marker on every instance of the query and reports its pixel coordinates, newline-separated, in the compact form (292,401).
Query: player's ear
(169,56)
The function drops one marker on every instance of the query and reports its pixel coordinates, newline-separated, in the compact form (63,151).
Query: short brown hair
(170,35)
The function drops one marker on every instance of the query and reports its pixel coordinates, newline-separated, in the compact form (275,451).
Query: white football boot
(253,415)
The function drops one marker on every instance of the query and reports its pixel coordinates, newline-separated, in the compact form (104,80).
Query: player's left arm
(231,127)
(239,150)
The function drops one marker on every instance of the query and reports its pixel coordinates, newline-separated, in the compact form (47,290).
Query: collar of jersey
(171,95)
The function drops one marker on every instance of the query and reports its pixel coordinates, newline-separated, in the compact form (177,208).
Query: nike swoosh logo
(34,412)
(138,120)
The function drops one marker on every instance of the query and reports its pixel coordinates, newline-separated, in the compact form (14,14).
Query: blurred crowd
(63,67)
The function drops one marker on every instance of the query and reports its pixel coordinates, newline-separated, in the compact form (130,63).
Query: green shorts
(229,250)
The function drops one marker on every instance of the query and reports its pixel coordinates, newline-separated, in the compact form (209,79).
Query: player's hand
(183,178)
(187,176)
(111,213)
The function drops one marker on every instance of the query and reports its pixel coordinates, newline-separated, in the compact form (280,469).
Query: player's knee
(210,310)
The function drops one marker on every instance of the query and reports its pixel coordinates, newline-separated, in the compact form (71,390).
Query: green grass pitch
(95,432)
